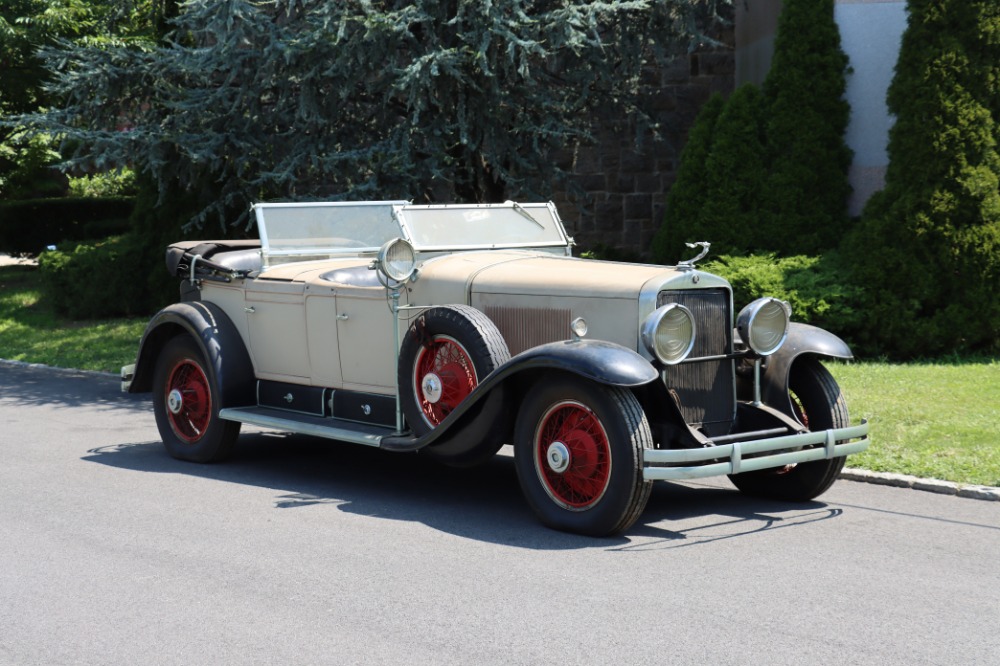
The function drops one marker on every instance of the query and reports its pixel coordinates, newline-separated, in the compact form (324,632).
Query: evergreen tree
(929,246)
(731,216)
(807,187)
(26,160)
(775,180)
(433,99)
(719,193)
(687,195)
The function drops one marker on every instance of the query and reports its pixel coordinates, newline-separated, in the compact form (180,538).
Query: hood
(456,277)
(565,276)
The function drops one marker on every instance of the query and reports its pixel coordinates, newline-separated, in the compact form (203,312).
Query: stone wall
(618,202)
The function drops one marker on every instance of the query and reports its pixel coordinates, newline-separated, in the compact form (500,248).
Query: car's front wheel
(578,451)
(819,405)
(186,404)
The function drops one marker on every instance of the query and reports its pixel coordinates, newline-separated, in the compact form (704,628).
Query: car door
(277,326)
(366,339)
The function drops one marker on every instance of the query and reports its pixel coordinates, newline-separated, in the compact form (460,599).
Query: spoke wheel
(578,450)
(186,405)
(572,455)
(189,401)
(818,404)
(443,376)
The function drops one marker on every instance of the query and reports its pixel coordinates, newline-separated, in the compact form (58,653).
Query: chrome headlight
(763,325)
(668,333)
(396,260)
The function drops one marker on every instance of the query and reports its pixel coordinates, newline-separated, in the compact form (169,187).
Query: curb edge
(967,491)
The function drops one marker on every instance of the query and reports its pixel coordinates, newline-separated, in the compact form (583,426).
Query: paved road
(303,552)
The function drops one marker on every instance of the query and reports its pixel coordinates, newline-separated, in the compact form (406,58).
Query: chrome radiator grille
(705,389)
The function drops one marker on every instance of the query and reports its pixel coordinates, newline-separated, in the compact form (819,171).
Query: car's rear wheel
(819,405)
(446,352)
(578,450)
(186,404)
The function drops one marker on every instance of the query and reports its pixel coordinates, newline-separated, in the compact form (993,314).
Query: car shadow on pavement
(483,503)
(692,513)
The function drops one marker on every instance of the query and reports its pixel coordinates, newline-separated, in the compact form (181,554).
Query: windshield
(475,226)
(309,231)
(301,231)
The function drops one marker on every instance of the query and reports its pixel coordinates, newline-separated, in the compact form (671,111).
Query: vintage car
(455,329)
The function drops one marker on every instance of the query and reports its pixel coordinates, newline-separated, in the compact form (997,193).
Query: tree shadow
(482,503)
(22,384)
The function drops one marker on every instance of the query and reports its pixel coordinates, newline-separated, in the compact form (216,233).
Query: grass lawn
(936,420)
(30,331)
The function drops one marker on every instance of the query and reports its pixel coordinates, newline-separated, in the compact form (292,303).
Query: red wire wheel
(188,397)
(186,404)
(443,376)
(447,353)
(572,455)
(578,452)
(818,403)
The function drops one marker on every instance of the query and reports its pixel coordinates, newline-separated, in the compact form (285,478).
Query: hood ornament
(689,264)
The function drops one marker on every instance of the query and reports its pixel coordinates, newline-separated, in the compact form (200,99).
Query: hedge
(28,226)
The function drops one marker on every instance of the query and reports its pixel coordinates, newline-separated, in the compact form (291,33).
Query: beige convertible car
(455,329)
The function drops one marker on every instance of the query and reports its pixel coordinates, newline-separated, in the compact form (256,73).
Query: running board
(307,424)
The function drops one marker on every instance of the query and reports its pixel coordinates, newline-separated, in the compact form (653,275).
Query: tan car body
(474,327)
(531,296)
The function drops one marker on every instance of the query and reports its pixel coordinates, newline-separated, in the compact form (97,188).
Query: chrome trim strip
(736,454)
(251,415)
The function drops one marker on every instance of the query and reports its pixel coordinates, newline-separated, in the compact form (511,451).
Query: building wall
(616,198)
(870,33)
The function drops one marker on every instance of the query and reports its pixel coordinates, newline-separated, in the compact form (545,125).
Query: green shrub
(928,247)
(95,280)
(817,288)
(28,226)
(116,183)
(27,165)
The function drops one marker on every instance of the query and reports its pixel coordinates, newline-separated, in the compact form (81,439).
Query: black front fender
(802,340)
(216,336)
(597,360)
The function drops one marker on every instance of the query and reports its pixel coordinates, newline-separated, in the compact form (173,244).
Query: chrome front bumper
(758,454)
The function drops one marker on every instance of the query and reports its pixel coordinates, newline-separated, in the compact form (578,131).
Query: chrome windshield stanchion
(394,295)
(396,265)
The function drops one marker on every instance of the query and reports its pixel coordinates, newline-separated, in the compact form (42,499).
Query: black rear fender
(217,338)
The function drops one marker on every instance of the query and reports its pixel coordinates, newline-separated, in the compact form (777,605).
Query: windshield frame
(272,252)
(407,220)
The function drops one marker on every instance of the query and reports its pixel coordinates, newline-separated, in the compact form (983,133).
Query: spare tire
(444,355)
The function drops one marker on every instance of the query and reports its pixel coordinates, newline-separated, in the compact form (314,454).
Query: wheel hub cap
(175,401)
(431,387)
(557,457)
